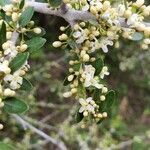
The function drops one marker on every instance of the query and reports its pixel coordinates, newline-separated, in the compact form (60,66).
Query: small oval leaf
(15,106)
(18,61)
(26,16)
(98,65)
(4,146)
(26,85)
(137,36)
(35,44)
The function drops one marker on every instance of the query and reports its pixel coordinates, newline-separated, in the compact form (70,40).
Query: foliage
(84,45)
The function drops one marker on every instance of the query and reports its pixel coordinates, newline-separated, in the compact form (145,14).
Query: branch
(14,37)
(25,124)
(70,15)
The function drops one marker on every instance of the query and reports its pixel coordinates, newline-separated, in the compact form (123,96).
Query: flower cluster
(90,39)
(11,78)
(87,42)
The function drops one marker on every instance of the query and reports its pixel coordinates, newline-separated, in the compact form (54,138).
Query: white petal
(89,99)
(8,78)
(90,108)
(104,48)
(14,85)
(81,109)
(82,102)
(77,34)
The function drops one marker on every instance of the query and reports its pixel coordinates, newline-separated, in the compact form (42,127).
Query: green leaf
(81,91)
(72,44)
(107,104)
(78,116)
(100,121)
(76,67)
(66,82)
(3,33)
(26,16)
(18,61)
(35,44)
(96,95)
(15,106)
(137,36)
(4,146)
(4,2)
(55,3)
(21,5)
(110,98)
(26,85)
(98,65)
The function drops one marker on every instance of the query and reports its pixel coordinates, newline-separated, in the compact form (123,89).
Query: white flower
(10,49)
(81,36)
(104,72)
(96,3)
(104,43)
(85,7)
(4,67)
(15,80)
(89,77)
(133,20)
(106,15)
(87,105)
(121,9)
(94,46)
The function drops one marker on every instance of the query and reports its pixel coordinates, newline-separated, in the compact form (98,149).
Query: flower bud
(57,44)
(104,90)
(62,28)
(15,17)
(104,114)
(9,92)
(6,45)
(86,58)
(139,3)
(74,90)
(85,114)
(70,78)
(23,47)
(1,126)
(67,94)
(8,35)
(37,30)
(102,98)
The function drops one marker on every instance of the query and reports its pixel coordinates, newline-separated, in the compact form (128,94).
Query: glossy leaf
(81,91)
(15,106)
(26,85)
(4,146)
(66,82)
(3,33)
(78,116)
(137,36)
(4,2)
(98,65)
(18,61)
(26,16)
(35,44)
(22,4)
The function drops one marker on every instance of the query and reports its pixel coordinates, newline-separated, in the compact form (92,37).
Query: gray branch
(26,125)
(71,16)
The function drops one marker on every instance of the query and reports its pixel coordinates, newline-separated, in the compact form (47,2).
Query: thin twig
(59,144)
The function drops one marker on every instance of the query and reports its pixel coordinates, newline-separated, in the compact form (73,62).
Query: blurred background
(128,127)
